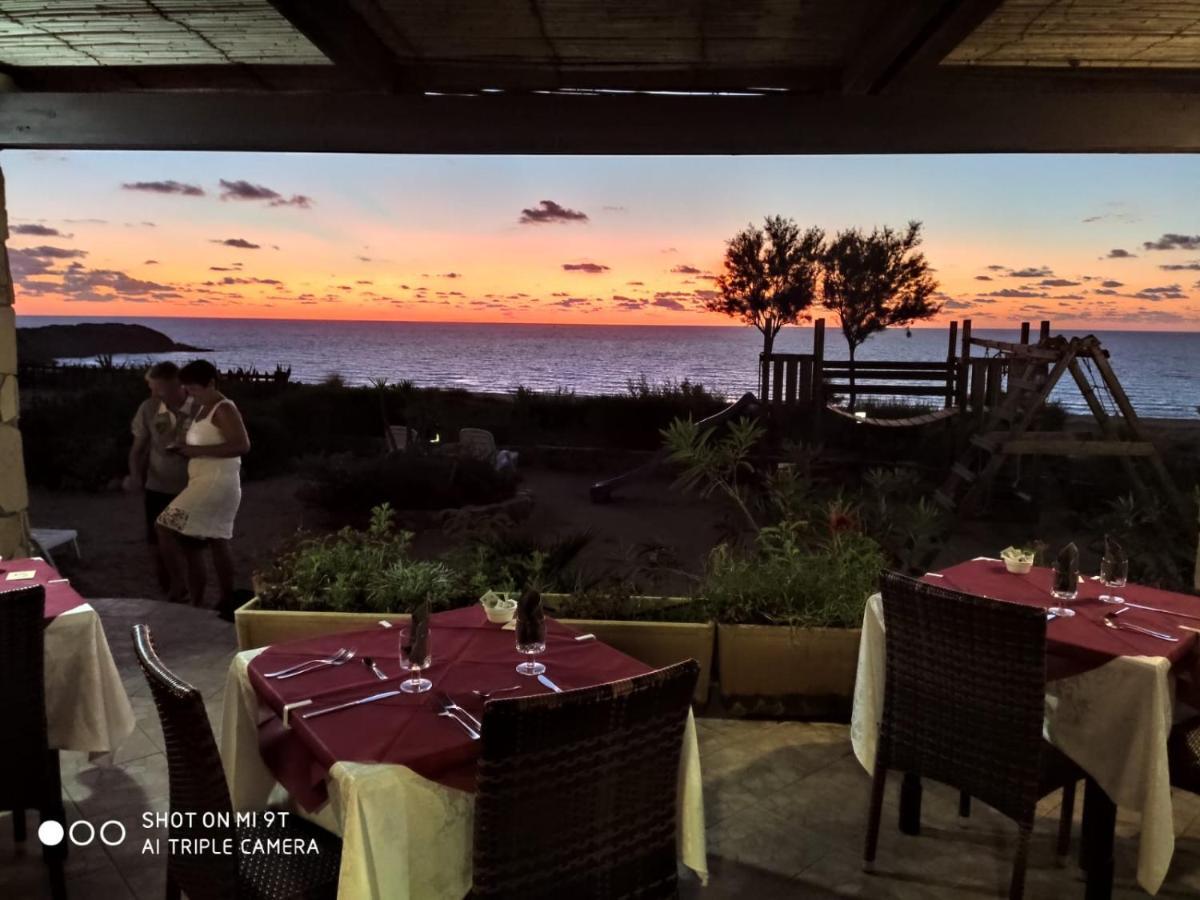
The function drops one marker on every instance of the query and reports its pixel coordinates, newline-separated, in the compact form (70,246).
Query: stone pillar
(14,497)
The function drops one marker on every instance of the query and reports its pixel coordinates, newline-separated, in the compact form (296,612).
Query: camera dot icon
(51,833)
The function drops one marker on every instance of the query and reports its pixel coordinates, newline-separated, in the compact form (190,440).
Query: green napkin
(1114,552)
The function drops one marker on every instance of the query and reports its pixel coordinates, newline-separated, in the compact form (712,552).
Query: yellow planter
(262,627)
(793,671)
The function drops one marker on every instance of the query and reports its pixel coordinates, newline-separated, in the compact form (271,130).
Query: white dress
(208,505)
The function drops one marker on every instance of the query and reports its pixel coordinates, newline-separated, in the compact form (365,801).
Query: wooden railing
(806,380)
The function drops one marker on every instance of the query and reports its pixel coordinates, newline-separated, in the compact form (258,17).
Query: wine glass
(414,684)
(1065,587)
(531,649)
(1113,573)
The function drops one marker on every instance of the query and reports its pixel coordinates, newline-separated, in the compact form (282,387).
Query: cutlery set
(447,708)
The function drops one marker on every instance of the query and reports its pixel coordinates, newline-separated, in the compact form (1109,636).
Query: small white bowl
(1019,566)
(499,610)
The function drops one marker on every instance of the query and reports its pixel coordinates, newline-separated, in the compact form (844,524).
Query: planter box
(656,644)
(776,670)
(260,627)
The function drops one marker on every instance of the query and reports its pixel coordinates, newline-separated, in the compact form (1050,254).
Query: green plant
(788,579)
(1159,554)
(711,466)
(909,526)
(505,560)
(353,570)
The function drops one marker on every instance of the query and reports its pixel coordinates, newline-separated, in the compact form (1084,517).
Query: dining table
(87,708)
(392,777)
(1110,697)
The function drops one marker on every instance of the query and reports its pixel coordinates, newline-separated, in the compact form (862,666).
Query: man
(160,422)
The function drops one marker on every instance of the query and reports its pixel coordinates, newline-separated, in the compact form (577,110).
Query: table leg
(1096,850)
(910,804)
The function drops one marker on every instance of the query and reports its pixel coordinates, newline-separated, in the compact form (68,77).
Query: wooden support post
(818,376)
(1044,333)
(950,359)
(963,369)
(1024,332)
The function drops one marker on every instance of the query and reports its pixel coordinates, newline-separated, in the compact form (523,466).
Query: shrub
(407,481)
(354,571)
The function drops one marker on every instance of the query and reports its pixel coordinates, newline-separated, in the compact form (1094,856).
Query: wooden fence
(808,380)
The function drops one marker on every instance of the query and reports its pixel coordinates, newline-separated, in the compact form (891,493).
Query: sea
(1159,370)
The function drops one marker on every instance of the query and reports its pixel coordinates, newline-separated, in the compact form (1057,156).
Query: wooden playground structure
(999,393)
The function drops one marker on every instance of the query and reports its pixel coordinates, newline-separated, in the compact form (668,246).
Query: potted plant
(788,613)
(343,581)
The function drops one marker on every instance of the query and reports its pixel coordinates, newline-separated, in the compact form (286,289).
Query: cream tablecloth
(403,835)
(86,705)
(1112,720)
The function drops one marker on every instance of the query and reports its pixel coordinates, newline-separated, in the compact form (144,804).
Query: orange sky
(1096,242)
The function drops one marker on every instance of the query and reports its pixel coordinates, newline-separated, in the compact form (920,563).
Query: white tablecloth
(404,836)
(1112,720)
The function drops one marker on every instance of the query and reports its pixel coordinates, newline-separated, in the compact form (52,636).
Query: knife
(550,684)
(320,712)
(1169,612)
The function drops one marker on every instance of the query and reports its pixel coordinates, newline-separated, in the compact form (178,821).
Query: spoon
(483,695)
(370,664)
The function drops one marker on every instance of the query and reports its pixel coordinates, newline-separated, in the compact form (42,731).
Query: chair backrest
(24,749)
(197,780)
(399,437)
(965,691)
(577,791)
(477,443)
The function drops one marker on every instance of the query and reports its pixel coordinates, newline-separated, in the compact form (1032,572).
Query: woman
(204,512)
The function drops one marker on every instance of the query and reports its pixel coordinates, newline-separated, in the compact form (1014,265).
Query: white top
(205,433)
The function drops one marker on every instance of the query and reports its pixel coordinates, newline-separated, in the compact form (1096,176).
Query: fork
(449,704)
(1111,621)
(484,695)
(453,718)
(342,656)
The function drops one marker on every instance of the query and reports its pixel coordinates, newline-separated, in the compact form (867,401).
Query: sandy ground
(115,561)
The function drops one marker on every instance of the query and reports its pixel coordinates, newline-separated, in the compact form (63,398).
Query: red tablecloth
(1082,641)
(468,653)
(60,597)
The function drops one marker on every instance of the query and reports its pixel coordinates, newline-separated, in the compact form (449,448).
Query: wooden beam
(611,124)
(909,37)
(336,28)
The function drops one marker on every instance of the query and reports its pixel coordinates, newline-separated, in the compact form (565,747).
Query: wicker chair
(577,791)
(197,784)
(1183,750)
(964,705)
(31,778)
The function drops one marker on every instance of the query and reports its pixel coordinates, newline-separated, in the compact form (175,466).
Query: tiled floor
(785,803)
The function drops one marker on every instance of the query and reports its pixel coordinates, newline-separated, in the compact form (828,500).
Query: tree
(877,280)
(771,276)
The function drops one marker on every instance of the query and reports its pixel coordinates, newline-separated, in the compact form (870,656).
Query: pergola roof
(633,76)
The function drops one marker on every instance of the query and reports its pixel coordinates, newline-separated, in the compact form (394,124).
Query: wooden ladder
(984,455)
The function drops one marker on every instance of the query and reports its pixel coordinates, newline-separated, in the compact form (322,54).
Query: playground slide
(602,491)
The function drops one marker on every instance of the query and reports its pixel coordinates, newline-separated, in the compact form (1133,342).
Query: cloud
(1057,282)
(450,275)
(1118,253)
(1022,293)
(1165,292)
(1112,284)
(956,304)
(150,262)
(165,187)
(1031,272)
(666,302)
(588,267)
(37,231)
(244,190)
(636,283)
(1171,241)
(55,252)
(685,270)
(569,302)
(547,211)
(983,277)
(240,243)
(1182,267)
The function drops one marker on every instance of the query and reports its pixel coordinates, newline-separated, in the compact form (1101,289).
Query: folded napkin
(1066,569)
(531,620)
(417,649)
(1114,552)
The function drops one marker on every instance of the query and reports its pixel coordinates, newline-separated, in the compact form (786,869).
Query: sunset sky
(1087,241)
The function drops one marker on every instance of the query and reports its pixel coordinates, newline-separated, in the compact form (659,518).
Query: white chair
(477,444)
(47,539)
